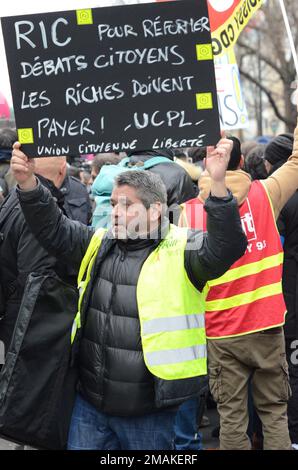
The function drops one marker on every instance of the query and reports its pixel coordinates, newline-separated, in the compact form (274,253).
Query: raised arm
(59,235)
(209,255)
(283,183)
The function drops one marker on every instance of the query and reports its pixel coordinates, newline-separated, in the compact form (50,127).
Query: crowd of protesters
(176,305)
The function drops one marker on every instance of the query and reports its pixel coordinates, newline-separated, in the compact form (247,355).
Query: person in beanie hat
(278,151)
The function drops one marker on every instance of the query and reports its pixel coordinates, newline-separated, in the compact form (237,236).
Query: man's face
(130,218)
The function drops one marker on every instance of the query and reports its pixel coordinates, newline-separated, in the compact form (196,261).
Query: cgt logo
(248,224)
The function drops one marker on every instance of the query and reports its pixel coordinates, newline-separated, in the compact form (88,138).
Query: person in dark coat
(21,253)
(277,152)
(77,203)
(288,228)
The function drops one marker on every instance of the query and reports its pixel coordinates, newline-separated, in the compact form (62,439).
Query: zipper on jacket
(123,255)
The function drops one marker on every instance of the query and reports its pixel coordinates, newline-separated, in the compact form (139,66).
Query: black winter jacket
(288,228)
(20,255)
(113,375)
(77,203)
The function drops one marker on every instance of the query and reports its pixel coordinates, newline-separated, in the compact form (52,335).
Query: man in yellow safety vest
(140,320)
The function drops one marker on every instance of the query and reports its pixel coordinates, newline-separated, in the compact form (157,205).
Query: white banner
(232,107)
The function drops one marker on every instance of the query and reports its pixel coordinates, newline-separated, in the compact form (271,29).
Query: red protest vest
(248,297)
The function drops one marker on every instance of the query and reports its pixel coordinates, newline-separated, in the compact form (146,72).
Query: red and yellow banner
(227,19)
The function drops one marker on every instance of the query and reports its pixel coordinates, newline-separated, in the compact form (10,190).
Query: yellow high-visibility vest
(171,309)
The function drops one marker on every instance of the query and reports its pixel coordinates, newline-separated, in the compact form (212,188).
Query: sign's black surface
(111,79)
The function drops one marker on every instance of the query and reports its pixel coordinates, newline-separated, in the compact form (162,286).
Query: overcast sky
(15,7)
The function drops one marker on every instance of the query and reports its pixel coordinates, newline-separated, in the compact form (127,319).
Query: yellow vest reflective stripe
(173,324)
(171,309)
(246,298)
(159,358)
(248,269)
(84,275)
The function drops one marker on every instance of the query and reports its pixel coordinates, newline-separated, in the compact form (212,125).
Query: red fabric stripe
(263,313)
(195,214)
(245,284)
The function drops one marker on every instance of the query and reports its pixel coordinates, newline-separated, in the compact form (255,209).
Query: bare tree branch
(264,58)
(269,95)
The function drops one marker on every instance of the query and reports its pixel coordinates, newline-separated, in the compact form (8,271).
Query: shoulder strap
(147,164)
(155,161)
(89,255)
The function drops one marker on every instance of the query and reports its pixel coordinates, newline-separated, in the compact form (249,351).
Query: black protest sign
(111,79)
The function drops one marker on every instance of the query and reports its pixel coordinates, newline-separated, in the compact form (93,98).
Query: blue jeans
(92,430)
(187,436)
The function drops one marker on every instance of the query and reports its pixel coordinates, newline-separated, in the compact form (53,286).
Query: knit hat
(279,149)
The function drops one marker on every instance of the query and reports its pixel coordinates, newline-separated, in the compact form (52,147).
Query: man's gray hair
(149,186)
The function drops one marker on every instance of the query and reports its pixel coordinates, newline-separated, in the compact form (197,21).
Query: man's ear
(155,211)
(63,168)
